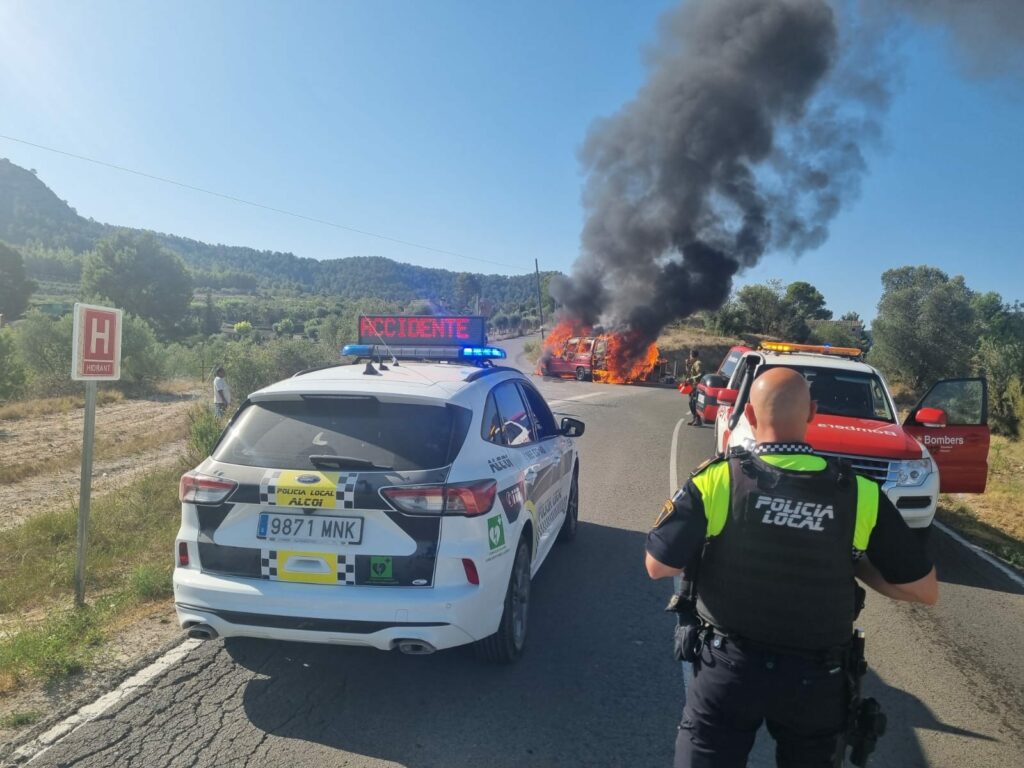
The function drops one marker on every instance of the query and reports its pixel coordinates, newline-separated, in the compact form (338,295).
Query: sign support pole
(85,489)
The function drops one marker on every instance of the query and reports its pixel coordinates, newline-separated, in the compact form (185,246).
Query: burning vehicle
(610,357)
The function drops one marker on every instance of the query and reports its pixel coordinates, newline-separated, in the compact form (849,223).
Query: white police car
(394,506)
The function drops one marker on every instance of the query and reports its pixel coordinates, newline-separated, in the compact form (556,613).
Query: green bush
(152,582)
(12,372)
(251,366)
(141,356)
(44,345)
(195,360)
(203,433)
(54,650)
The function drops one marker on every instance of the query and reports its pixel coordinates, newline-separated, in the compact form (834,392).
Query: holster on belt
(689,627)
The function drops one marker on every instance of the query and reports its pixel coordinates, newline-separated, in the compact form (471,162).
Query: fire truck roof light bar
(821,349)
(423,353)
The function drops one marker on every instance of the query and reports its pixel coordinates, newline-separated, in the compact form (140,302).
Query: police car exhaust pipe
(415,647)
(202,632)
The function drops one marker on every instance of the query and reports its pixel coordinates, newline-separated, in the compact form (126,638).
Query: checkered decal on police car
(268,488)
(346,492)
(347,569)
(268,564)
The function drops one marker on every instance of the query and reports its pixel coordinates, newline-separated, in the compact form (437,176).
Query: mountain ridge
(34,217)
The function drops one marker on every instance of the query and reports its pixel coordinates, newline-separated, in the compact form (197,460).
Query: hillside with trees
(54,239)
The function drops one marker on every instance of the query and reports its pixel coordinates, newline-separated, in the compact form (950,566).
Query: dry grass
(48,406)
(675,344)
(181,386)
(994,519)
(105,448)
(129,564)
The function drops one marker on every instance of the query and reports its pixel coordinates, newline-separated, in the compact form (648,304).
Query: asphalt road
(597,686)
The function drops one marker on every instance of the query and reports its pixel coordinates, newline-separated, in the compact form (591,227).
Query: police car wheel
(572,511)
(506,645)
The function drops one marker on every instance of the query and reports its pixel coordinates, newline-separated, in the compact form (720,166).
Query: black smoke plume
(989,34)
(745,138)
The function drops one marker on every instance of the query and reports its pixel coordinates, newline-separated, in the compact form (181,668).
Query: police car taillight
(471,498)
(197,488)
(467,499)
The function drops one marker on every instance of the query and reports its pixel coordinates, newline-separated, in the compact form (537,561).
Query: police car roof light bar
(821,349)
(476,355)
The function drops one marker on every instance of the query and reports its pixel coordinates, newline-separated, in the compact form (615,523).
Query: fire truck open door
(952,422)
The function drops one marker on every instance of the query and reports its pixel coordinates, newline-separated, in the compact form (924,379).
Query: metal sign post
(84,490)
(95,356)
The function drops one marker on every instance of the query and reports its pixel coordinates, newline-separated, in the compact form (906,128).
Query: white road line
(673,465)
(69,725)
(982,553)
(578,397)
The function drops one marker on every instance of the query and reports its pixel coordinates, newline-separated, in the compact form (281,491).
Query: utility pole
(540,299)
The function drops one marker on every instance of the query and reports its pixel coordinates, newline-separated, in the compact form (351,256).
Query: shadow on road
(900,747)
(957,565)
(596,686)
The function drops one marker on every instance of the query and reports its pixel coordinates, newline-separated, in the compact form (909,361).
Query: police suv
(394,505)
(942,445)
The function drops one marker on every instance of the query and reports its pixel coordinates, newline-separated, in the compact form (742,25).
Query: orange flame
(624,365)
(626,360)
(561,333)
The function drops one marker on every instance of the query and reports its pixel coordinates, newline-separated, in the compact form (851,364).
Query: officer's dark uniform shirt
(700,508)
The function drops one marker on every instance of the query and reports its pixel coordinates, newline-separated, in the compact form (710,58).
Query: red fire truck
(942,445)
(713,383)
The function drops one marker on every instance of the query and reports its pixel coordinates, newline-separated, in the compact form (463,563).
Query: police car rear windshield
(373,434)
(846,393)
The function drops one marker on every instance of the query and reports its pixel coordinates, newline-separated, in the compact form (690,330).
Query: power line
(243,201)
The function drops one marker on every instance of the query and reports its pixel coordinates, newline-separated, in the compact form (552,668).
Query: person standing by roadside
(694,372)
(221,393)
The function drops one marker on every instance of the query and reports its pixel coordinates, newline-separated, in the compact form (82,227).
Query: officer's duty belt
(834,656)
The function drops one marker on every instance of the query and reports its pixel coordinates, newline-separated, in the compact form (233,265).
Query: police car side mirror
(571,427)
(931,417)
(728,396)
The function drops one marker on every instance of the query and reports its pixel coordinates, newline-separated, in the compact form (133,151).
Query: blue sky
(455,125)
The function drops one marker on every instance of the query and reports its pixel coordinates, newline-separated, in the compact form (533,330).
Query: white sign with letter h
(96,345)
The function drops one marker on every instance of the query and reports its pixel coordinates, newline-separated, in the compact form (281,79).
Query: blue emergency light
(357,350)
(482,353)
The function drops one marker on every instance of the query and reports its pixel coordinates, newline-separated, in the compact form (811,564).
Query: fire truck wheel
(581,374)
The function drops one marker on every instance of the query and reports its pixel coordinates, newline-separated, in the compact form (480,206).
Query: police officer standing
(694,372)
(779,534)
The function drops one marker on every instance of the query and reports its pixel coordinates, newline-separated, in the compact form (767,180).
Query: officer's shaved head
(780,406)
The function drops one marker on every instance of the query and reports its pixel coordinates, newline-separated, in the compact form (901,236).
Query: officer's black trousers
(737,688)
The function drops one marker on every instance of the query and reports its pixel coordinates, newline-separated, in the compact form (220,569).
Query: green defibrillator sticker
(495,533)
(380,567)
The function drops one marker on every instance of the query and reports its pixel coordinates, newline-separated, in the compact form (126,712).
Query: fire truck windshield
(846,393)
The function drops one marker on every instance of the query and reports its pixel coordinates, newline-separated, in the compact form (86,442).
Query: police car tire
(501,647)
(572,510)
